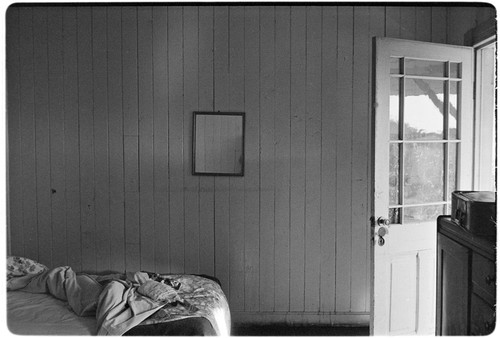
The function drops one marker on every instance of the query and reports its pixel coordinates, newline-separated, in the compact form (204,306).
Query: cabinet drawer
(483,274)
(482,317)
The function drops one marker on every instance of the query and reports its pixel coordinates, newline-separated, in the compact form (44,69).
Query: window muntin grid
(424,139)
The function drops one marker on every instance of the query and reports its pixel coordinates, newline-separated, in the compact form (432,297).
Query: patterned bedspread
(199,297)
(120,303)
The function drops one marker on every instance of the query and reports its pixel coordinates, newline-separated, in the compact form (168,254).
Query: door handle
(383,221)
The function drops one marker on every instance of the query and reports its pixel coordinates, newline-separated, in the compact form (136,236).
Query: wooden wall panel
(313,158)
(439,23)
(282,160)
(146,155)
(101,127)
(15,229)
(130,138)
(115,139)
(175,149)
(252,172)
(360,170)
(328,158)
(460,20)
(266,158)
(221,103)
(392,21)
(100,103)
(408,22)
(237,184)
(56,128)
(28,141)
(86,142)
(297,159)
(344,173)
(191,183)
(423,23)
(72,150)
(42,125)
(160,140)
(206,103)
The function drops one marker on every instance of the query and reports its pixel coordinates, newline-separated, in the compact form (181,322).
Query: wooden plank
(360,155)
(146,119)
(297,162)
(101,152)
(72,150)
(206,103)
(160,140)
(282,161)
(129,69)
(28,141)
(252,298)
(459,20)
(191,183)
(132,204)
(313,159)
(392,21)
(42,125)
(86,118)
(221,103)
(344,167)
(267,107)
(237,184)
(329,101)
(57,149)
(15,231)
(175,153)
(131,138)
(408,22)
(438,24)
(115,139)
(423,23)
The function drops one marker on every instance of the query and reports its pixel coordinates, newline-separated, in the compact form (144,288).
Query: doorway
(423,151)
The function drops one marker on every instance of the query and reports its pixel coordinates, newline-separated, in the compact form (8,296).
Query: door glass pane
(452,169)
(423,214)
(455,70)
(395,215)
(423,173)
(394,108)
(394,174)
(424,109)
(425,67)
(396,65)
(453,114)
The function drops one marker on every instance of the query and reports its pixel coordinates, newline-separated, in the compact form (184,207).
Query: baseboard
(301,318)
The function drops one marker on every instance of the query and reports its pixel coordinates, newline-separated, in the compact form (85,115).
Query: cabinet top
(482,245)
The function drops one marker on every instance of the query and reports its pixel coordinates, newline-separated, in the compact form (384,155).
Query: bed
(59,301)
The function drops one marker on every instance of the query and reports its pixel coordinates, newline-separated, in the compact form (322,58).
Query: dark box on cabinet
(475,211)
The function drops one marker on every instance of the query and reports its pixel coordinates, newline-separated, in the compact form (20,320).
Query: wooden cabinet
(466,281)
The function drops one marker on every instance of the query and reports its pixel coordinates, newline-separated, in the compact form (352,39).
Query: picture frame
(218,143)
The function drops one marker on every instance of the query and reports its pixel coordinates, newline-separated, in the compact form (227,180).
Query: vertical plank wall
(100,101)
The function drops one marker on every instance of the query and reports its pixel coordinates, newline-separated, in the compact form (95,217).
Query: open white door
(423,151)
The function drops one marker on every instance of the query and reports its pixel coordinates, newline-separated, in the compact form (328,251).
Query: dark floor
(287,330)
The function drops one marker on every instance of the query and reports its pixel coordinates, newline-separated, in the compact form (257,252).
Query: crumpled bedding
(118,306)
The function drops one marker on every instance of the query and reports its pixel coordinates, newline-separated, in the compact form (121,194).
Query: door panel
(423,152)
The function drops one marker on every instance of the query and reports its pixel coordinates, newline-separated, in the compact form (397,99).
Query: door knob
(383,221)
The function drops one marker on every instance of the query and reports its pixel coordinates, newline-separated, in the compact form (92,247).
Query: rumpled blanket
(117,304)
